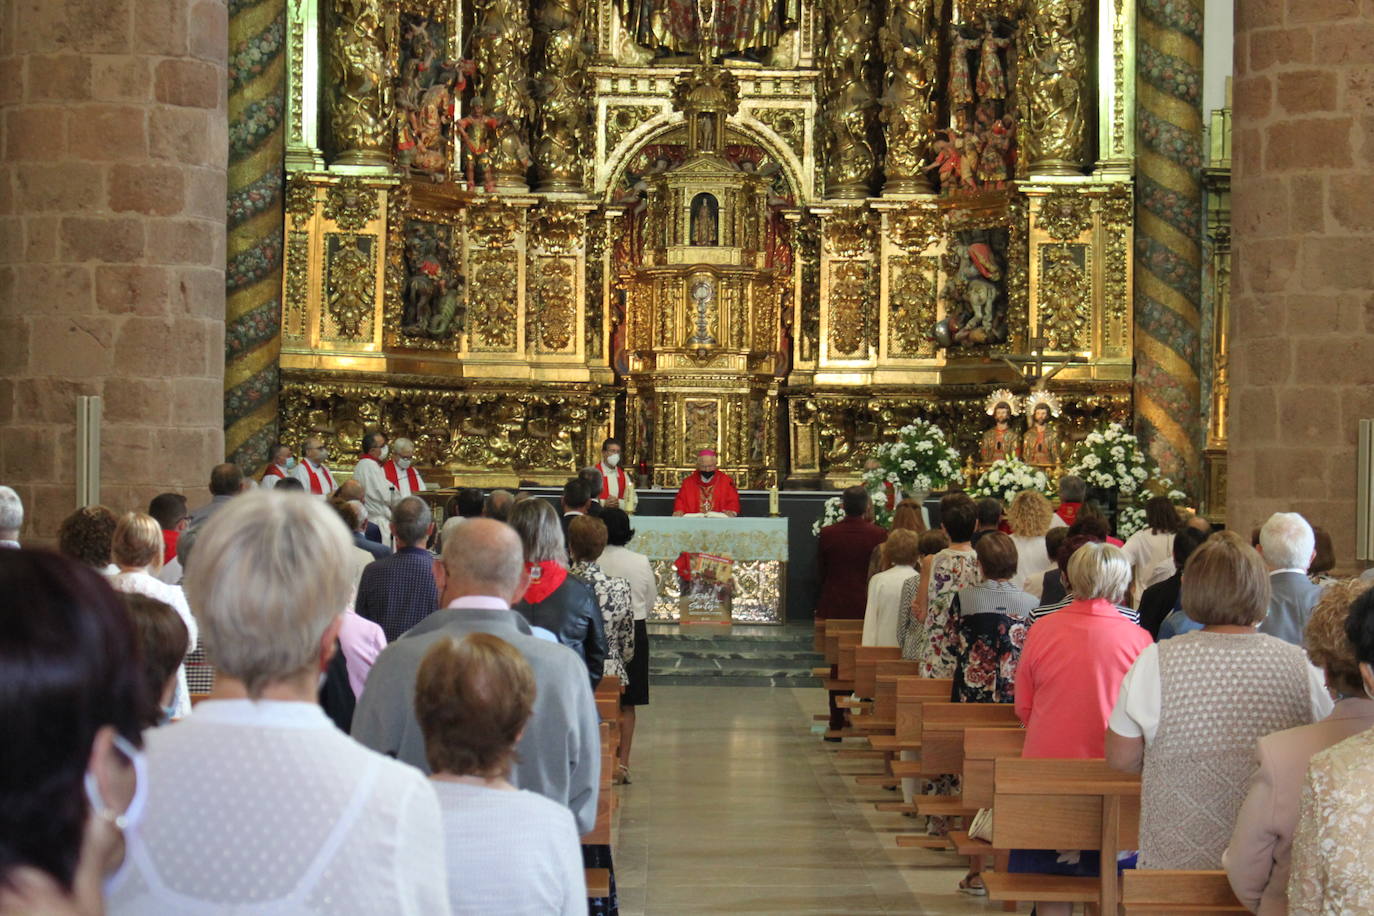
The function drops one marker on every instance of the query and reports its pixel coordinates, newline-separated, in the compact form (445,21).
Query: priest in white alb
(400,471)
(617,487)
(378,493)
(312,472)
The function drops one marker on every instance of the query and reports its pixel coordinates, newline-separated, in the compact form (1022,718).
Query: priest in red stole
(707,490)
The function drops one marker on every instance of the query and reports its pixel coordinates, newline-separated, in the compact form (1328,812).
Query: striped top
(1045,610)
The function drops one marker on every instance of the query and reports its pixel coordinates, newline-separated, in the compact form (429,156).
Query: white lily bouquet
(1006,477)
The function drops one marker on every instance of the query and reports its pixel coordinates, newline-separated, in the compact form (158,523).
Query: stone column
(1168,234)
(112,190)
(1302,314)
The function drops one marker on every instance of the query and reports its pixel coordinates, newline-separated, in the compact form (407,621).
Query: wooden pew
(841,640)
(910,693)
(866,661)
(599,879)
(1062,804)
(982,747)
(942,748)
(1147,892)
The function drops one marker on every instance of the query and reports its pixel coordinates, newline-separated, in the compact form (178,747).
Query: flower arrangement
(920,460)
(831,513)
(1006,477)
(1112,458)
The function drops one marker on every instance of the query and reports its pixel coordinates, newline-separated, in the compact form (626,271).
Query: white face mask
(289,463)
(126,823)
(403,463)
(386,450)
(612,459)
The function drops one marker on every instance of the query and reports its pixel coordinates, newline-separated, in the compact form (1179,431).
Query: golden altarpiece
(778,228)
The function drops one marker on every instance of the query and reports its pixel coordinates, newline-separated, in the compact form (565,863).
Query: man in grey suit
(482,571)
(1288,546)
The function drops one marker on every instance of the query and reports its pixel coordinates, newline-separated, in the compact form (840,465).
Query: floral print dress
(613,597)
(935,647)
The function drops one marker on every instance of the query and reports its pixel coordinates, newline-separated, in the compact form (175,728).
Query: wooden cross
(1031,368)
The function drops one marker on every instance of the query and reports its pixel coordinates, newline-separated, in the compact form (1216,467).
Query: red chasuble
(696,495)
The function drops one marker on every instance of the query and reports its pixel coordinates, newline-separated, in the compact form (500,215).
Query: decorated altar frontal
(757,545)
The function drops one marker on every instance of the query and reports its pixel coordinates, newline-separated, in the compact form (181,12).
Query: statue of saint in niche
(999,441)
(1040,442)
(705,220)
(736,28)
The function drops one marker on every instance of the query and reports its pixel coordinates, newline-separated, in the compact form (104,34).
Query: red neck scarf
(315,480)
(606,482)
(545,577)
(390,470)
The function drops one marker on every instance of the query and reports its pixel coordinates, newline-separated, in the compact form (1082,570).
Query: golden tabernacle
(779,230)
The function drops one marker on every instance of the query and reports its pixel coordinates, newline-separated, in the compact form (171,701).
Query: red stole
(274,470)
(606,483)
(545,577)
(1068,512)
(696,495)
(411,477)
(315,480)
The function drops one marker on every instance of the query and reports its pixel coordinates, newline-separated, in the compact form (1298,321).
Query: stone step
(756,657)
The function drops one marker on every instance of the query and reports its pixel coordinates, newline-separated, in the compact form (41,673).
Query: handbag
(980,828)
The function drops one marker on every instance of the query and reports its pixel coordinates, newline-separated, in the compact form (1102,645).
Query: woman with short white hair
(137,549)
(1066,683)
(257,802)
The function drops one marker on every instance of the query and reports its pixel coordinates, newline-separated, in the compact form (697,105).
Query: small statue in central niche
(705,220)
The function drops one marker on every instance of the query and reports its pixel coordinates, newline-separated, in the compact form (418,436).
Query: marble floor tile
(736,807)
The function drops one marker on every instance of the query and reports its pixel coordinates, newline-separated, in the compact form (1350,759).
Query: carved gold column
(503,40)
(359,99)
(1053,87)
(847,97)
(909,57)
(560,87)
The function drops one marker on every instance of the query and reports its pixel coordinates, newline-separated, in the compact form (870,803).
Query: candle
(773,501)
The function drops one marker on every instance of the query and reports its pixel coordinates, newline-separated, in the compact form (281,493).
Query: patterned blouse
(614,597)
(1333,859)
(935,645)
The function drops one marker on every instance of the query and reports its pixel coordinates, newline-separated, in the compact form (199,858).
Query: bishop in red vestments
(707,490)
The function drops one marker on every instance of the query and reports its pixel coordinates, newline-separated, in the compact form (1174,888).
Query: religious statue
(476,133)
(1056,59)
(847,98)
(360,96)
(999,441)
(559,91)
(503,38)
(433,290)
(426,94)
(730,28)
(965,43)
(994,162)
(704,221)
(1040,443)
(992,79)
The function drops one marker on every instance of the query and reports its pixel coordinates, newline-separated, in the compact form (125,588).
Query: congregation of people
(1232,673)
(389,715)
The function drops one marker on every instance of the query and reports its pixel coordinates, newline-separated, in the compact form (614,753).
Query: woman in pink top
(1066,684)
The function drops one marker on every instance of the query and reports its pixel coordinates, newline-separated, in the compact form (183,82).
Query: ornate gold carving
(847,97)
(495,299)
(594,308)
(359,115)
(1065,297)
(916,228)
(351,281)
(296,307)
(555,308)
(849,233)
(910,55)
(560,91)
(502,36)
(788,123)
(1064,215)
(493,225)
(558,229)
(1119,78)
(1116,217)
(623,119)
(848,299)
(350,204)
(1054,70)
(297,74)
(300,200)
(701,425)
(913,297)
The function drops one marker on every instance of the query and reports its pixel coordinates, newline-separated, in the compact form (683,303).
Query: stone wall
(112,214)
(1302,345)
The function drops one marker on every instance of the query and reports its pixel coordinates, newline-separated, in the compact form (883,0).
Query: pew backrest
(1147,892)
(982,748)
(912,692)
(866,661)
(942,731)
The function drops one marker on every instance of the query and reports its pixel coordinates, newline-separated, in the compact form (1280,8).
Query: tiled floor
(737,808)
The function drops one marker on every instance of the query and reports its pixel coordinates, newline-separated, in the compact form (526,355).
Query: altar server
(311,472)
(617,487)
(707,489)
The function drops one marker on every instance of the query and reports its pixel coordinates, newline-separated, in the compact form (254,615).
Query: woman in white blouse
(257,803)
(884,609)
(1031,516)
(137,550)
(1152,545)
(510,851)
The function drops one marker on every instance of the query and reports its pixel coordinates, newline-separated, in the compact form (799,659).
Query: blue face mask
(290,463)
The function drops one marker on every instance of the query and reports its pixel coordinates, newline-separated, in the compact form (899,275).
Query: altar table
(757,545)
